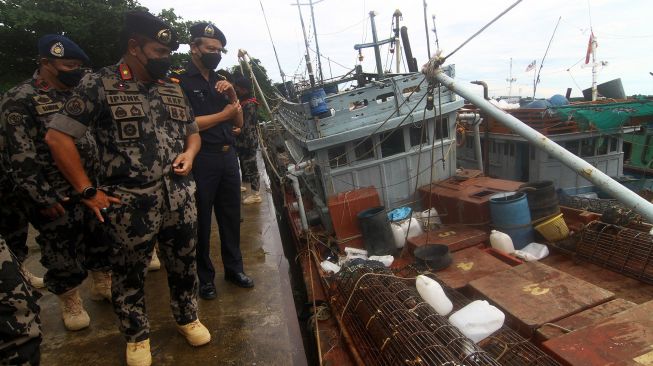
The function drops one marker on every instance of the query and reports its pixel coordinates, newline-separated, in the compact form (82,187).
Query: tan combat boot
(253,198)
(155,263)
(195,333)
(32,280)
(138,353)
(72,310)
(101,286)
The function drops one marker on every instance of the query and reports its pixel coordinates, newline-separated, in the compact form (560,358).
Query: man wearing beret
(147,139)
(43,193)
(217,112)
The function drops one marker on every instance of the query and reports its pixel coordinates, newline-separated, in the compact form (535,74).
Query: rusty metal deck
(623,339)
(470,264)
(583,319)
(533,294)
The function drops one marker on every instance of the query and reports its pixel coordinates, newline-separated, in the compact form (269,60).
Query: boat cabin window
(392,143)
(442,129)
(419,134)
(587,147)
(572,146)
(614,144)
(602,145)
(337,156)
(364,149)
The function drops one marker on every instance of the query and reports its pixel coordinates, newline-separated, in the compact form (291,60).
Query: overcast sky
(622,27)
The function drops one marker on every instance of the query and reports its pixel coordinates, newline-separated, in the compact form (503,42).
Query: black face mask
(70,78)
(211,60)
(158,67)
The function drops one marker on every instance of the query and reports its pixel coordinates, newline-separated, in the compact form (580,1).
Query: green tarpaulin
(605,117)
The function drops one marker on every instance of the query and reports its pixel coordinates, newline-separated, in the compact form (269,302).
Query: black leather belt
(215,148)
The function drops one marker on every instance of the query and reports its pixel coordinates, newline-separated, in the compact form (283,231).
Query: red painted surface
(533,293)
(343,209)
(623,339)
(466,199)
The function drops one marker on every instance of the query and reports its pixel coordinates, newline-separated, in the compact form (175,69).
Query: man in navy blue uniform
(217,111)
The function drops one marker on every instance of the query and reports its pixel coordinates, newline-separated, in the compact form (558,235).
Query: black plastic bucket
(376,231)
(542,199)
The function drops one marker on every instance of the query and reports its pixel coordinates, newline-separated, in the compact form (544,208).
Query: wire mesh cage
(597,205)
(628,251)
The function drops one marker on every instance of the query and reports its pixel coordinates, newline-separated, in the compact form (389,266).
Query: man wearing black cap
(147,139)
(43,193)
(217,112)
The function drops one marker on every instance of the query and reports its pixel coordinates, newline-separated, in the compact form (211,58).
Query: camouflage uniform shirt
(139,128)
(25,112)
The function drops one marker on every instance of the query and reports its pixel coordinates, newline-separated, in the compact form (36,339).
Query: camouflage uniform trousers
(142,219)
(13,222)
(20,325)
(69,247)
(249,167)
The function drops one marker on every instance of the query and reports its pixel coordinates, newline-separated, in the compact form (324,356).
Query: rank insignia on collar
(57,49)
(164,36)
(125,72)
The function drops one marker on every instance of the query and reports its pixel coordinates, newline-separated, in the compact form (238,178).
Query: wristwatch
(89,192)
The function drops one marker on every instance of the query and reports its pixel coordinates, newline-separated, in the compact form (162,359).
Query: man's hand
(183,164)
(236,131)
(54,211)
(99,203)
(231,111)
(227,89)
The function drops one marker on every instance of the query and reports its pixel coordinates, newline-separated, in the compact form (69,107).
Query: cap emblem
(164,36)
(57,49)
(208,31)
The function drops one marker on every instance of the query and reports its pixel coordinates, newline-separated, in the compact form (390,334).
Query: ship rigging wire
(537,79)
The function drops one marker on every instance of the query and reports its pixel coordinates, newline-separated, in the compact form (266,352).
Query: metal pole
(426,29)
(594,69)
(397,15)
(317,46)
(308,58)
(245,57)
(377,52)
(580,166)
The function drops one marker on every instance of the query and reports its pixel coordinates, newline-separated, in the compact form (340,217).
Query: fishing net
(605,117)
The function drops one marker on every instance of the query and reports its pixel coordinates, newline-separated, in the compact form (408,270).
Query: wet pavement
(249,326)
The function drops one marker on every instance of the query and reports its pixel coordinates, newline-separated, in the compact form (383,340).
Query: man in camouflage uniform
(52,206)
(147,139)
(20,325)
(247,139)
(14,222)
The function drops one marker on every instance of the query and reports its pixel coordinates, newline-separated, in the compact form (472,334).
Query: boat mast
(510,80)
(426,29)
(397,16)
(307,56)
(375,43)
(595,70)
(435,31)
(276,56)
(317,46)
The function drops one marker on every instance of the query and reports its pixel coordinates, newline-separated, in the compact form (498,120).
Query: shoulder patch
(75,106)
(14,118)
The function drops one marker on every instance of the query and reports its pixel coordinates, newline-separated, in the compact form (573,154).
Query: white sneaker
(253,198)
(72,310)
(32,280)
(155,263)
(101,286)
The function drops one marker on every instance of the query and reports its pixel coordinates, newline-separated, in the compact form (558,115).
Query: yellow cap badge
(164,36)
(208,31)
(57,49)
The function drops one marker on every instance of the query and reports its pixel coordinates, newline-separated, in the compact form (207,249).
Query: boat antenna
(510,80)
(397,16)
(307,56)
(435,30)
(481,30)
(537,79)
(283,75)
(426,29)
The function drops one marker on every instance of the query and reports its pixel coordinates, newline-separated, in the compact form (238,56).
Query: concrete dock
(249,326)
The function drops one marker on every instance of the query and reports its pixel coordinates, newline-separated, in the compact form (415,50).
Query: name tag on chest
(122,98)
(177,113)
(43,109)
